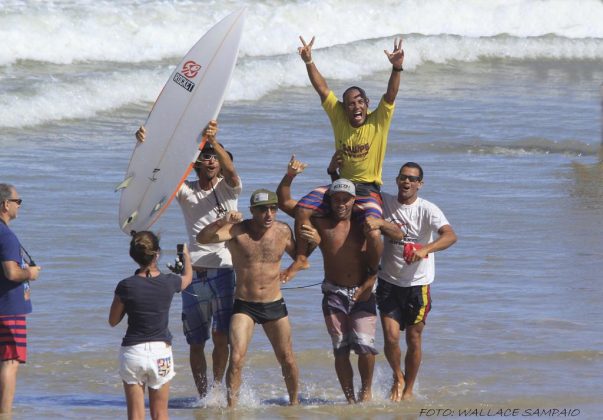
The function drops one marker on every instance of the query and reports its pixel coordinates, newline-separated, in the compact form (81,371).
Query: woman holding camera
(146,351)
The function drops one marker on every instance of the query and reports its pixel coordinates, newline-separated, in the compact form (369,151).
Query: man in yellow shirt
(360,144)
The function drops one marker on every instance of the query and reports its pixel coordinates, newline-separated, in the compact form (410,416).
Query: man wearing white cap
(348,305)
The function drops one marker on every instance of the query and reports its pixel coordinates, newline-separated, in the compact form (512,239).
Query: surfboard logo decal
(190,69)
(155,172)
(184,82)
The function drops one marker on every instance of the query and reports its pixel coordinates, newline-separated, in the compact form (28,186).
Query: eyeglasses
(411,178)
(15,200)
(208,156)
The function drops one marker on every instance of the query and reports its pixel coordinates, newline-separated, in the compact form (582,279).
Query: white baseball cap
(343,185)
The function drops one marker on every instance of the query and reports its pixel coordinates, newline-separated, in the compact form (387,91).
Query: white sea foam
(50,99)
(79,99)
(85,30)
(76,59)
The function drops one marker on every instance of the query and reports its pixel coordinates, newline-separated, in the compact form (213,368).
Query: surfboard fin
(129,220)
(158,206)
(124,184)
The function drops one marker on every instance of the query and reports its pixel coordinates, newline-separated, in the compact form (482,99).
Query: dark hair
(144,246)
(413,165)
(362,93)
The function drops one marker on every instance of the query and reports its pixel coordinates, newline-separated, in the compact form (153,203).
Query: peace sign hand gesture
(306,51)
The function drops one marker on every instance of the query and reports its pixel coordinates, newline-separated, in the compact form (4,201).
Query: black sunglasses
(411,178)
(15,200)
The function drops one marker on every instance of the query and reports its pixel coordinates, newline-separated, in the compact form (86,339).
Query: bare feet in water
(365,395)
(407,395)
(397,391)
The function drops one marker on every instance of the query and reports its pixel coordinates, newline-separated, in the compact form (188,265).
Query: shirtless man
(349,305)
(257,246)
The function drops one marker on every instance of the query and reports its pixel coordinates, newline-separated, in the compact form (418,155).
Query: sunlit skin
(408,190)
(264,216)
(342,204)
(356,107)
(409,183)
(257,247)
(207,170)
(208,167)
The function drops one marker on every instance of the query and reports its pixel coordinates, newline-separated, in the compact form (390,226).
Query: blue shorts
(207,304)
(368,203)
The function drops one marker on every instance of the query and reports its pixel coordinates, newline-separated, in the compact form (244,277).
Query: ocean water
(500,102)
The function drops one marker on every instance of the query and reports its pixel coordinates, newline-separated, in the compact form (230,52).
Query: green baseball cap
(262,197)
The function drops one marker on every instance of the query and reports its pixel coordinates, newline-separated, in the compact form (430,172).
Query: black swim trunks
(261,312)
(407,305)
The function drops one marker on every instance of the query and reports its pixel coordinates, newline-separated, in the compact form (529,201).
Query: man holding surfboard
(207,303)
(361,140)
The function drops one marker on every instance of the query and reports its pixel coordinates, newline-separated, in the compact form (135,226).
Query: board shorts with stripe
(150,364)
(407,305)
(351,325)
(368,202)
(13,338)
(261,312)
(207,304)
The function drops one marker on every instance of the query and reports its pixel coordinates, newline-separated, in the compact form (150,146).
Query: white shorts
(150,364)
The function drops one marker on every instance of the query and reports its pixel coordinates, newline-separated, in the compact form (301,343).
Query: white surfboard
(192,96)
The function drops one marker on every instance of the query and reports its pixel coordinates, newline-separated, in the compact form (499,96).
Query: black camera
(178,266)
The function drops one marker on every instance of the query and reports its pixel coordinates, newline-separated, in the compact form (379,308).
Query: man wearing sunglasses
(415,229)
(257,246)
(207,303)
(15,301)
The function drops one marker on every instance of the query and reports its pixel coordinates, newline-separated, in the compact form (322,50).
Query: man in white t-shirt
(207,303)
(415,229)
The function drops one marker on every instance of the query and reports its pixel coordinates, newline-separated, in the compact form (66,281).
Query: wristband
(308,62)
(290,176)
(398,70)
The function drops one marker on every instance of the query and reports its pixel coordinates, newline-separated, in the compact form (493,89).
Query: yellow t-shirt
(363,147)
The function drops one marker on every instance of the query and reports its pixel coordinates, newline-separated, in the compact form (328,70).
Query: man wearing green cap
(257,246)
